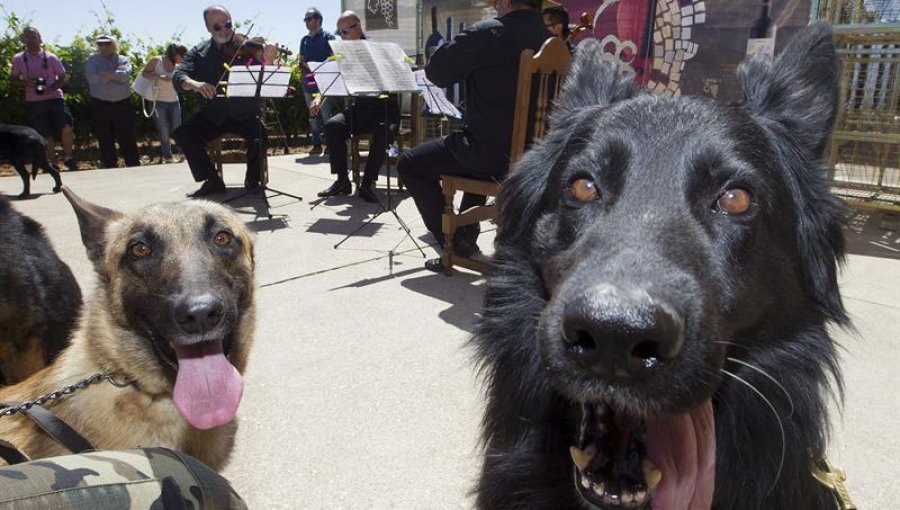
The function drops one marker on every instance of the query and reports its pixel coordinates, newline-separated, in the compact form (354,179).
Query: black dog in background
(39,297)
(20,145)
(655,329)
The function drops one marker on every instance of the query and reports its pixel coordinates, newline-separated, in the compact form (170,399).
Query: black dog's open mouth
(624,462)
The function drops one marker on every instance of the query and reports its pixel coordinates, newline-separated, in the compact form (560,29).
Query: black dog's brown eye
(735,201)
(140,250)
(584,190)
(222,239)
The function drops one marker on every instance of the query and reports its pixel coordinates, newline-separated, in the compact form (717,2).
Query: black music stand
(260,82)
(366,68)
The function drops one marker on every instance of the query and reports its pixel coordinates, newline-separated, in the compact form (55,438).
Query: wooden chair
(406,137)
(221,157)
(539,82)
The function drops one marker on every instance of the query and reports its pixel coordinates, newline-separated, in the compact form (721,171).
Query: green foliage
(292,112)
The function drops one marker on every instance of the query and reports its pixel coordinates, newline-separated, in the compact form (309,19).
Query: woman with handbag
(167,109)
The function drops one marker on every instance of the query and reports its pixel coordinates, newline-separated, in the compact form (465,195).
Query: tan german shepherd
(173,310)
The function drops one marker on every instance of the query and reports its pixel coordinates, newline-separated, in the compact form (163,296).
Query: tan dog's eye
(223,239)
(735,201)
(584,190)
(140,250)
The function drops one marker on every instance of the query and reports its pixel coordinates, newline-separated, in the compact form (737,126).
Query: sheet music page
(242,81)
(371,67)
(436,102)
(328,78)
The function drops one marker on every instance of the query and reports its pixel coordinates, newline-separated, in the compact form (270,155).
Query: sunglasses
(347,30)
(307,20)
(217,26)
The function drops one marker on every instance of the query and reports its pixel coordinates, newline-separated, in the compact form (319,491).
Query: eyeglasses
(217,26)
(347,30)
(308,19)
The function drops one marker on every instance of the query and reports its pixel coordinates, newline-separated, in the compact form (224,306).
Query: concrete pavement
(360,392)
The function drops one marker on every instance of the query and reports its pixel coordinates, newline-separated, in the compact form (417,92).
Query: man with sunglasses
(365,115)
(44,76)
(485,58)
(314,48)
(202,70)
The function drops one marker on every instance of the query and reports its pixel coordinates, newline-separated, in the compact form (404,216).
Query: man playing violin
(203,69)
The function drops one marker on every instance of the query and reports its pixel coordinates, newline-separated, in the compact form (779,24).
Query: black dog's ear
(92,220)
(800,89)
(593,81)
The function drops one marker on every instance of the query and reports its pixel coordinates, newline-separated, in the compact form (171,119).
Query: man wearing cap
(203,68)
(109,80)
(44,76)
(485,57)
(314,47)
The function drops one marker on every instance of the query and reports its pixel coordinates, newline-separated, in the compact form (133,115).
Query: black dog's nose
(199,313)
(620,335)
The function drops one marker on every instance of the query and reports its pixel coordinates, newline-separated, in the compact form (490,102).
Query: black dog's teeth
(618,478)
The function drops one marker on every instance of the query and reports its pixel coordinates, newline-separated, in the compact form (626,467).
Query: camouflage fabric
(149,478)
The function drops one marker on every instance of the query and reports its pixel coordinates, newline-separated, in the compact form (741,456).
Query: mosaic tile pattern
(672,45)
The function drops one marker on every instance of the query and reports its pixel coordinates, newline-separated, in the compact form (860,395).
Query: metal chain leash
(66,390)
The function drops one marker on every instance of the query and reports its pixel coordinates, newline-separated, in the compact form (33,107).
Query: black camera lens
(40,86)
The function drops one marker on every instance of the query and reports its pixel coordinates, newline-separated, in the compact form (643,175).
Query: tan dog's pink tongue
(208,388)
(683,447)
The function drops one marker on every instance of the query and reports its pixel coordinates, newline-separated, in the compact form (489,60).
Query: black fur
(759,287)
(21,145)
(39,297)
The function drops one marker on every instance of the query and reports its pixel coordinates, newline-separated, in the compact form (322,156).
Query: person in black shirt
(366,115)
(486,58)
(202,70)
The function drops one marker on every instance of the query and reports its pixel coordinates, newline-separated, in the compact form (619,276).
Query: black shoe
(434,265)
(366,192)
(465,249)
(71,164)
(210,187)
(340,187)
(316,150)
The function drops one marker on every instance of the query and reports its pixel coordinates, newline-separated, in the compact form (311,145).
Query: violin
(242,47)
(585,21)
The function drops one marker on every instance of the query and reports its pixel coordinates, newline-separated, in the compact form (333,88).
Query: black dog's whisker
(769,377)
(778,418)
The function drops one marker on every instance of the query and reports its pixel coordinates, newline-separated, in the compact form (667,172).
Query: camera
(40,85)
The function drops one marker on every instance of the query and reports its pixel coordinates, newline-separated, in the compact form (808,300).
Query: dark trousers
(421,168)
(114,122)
(194,134)
(359,122)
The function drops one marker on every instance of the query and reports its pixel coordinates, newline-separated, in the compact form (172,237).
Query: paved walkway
(360,391)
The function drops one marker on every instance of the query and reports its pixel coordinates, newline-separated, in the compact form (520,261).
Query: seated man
(365,115)
(486,57)
(202,70)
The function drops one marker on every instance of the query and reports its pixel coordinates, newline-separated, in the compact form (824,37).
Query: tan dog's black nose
(618,334)
(199,313)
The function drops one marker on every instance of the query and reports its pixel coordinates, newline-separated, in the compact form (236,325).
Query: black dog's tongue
(683,447)
(673,456)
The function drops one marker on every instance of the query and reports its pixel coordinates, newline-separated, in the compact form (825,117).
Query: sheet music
(436,102)
(242,81)
(370,67)
(328,78)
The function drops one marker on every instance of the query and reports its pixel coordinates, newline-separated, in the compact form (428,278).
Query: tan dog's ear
(92,220)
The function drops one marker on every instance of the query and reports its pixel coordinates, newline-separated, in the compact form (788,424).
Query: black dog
(20,145)
(655,330)
(39,297)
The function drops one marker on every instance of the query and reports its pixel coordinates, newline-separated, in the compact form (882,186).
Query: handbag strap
(144,107)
